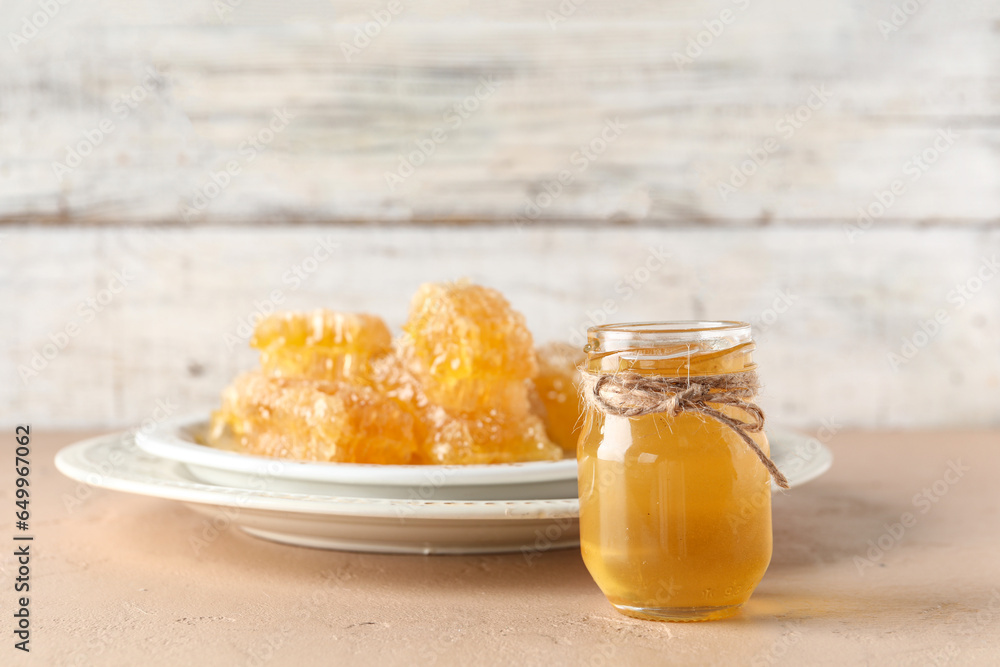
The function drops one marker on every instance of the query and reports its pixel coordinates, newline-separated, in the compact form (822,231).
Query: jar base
(679,614)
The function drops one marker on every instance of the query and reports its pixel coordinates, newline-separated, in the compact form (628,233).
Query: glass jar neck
(670,348)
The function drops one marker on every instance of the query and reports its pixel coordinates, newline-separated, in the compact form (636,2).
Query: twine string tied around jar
(629,394)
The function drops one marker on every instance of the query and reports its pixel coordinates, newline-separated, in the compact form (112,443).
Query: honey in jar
(675,507)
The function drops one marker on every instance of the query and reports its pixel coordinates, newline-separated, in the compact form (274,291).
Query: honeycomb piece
(454,389)
(322,344)
(313,420)
(392,376)
(557,388)
(459,438)
(469,349)
(487,438)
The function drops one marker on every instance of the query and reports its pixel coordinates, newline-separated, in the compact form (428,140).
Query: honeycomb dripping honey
(557,392)
(313,420)
(321,345)
(455,388)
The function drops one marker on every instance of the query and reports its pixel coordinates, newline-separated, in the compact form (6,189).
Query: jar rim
(701,334)
(672,329)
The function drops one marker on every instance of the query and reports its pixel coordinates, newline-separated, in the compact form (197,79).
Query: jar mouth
(711,334)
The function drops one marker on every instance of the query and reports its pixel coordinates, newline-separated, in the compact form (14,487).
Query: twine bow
(632,395)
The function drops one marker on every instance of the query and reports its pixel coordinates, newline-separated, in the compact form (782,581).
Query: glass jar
(675,509)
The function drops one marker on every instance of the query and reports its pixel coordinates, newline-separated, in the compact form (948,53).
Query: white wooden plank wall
(685,128)
(903,123)
(828,313)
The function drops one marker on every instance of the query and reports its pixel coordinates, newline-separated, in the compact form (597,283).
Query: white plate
(372,524)
(799,457)
(177,440)
(330,522)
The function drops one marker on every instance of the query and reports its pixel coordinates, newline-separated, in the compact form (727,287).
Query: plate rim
(170,485)
(165,441)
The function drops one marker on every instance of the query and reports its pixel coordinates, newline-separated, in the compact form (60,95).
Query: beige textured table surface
(115,581)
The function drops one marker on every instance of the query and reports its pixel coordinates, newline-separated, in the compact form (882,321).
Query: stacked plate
(527,507)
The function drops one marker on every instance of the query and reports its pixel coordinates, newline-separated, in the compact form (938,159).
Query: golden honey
(675,512)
